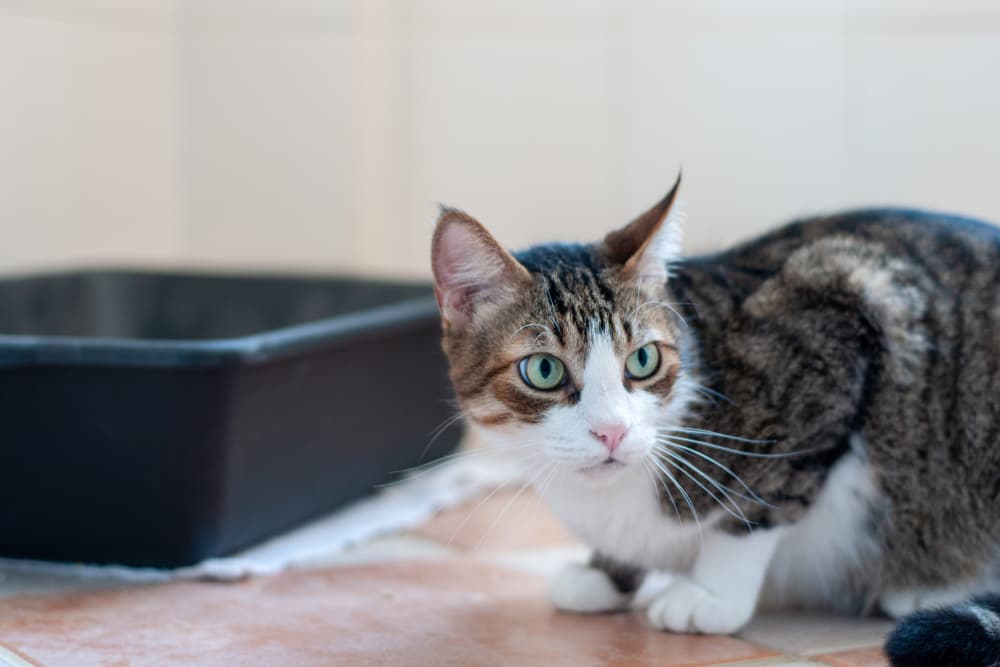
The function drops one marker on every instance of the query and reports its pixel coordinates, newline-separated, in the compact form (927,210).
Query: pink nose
(610,435)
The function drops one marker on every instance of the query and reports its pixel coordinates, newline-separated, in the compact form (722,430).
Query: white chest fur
(830,542)
(623,519)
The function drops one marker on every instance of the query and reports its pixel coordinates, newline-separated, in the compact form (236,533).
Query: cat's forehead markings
(580,304)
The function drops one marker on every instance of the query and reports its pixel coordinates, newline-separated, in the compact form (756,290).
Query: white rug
(395,507)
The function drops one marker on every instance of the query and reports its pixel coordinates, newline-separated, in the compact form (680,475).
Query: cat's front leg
(721,592)
(603,585)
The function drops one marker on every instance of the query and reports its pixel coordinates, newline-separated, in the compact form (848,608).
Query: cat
(810,418)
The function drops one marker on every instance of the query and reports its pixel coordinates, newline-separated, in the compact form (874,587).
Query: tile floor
(466,588)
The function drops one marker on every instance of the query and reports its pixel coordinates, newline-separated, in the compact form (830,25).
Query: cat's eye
(542,371)
(643,362)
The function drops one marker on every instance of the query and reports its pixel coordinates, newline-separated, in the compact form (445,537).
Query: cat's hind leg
(601,586)
(903,602)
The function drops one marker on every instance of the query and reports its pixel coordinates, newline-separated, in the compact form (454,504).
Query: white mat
(395,507)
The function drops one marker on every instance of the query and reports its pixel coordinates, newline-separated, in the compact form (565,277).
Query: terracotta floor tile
(500,520)
(439,612)
(869,657)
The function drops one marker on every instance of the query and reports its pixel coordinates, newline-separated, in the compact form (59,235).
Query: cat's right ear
(471,270)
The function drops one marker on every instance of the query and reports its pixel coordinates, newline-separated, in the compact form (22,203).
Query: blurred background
(318,134)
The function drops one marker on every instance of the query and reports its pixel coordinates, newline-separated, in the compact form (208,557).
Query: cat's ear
(471,270)
(647,246)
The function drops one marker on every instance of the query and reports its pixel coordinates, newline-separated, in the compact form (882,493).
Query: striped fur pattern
(837,378)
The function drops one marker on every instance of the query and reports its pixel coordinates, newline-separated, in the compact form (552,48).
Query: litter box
(157,419)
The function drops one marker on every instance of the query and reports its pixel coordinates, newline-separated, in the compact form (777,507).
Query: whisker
(545,331)
(725,491)
(548,480)
(739,517)
(783,455)
(706,457)
(704,394)
(429,467)
(472,511)
(657,485)
(711,394)
(437,432)
(665,304)
(754,497)
(460,454)
(726,436)
(685,495)
(479,505)
(482,538)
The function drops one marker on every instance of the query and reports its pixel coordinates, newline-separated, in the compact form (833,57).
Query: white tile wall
(757,121)
(515,129)
(923,126)
(87,143)
(318,134)
(265,133)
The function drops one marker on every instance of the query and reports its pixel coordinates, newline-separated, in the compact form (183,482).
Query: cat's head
(568,354)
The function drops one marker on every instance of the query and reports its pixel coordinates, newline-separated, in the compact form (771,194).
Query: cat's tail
(962,635)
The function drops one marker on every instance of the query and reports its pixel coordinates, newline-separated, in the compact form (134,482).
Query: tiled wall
(87,131)
(318,134)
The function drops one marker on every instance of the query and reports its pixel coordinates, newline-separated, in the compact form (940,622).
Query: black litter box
(157,419)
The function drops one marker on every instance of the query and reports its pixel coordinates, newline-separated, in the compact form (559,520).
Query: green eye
(542,371)
(643,362)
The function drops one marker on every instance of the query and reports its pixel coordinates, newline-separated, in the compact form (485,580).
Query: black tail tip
(964,635)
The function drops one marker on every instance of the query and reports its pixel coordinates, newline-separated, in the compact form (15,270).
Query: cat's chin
(605,470)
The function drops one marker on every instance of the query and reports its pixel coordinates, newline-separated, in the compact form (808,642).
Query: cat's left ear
(647,246)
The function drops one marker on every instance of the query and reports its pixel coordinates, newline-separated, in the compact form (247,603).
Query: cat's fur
(822,429)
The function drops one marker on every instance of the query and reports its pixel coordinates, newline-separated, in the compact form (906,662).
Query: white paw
(687,607)
(585,590)
(654,584)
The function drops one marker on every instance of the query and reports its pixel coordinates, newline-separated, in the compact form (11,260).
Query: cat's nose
(610,435)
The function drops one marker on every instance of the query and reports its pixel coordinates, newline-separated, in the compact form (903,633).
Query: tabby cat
(807,419)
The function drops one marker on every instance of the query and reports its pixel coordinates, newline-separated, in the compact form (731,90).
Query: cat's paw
(585,590)
(687,607)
